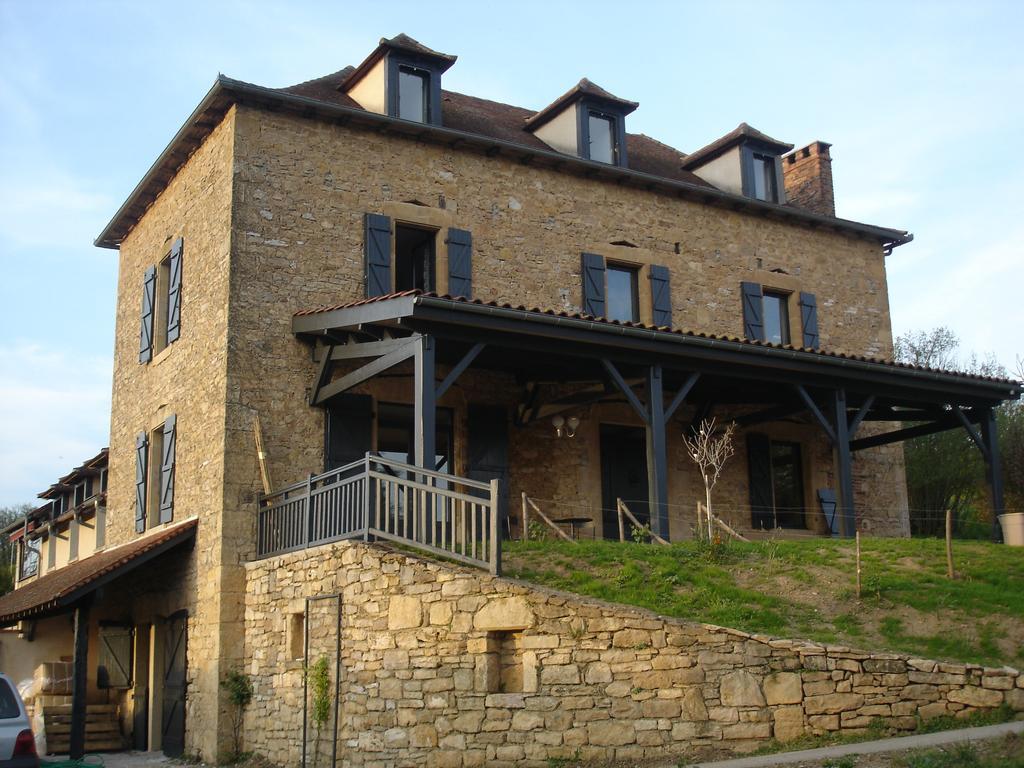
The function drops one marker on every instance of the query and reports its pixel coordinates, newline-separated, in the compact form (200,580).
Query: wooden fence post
(495,553)
(526,520)
(949,544)
(622,525)
(858,564)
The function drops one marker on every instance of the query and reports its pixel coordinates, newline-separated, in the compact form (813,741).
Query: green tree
(945,470)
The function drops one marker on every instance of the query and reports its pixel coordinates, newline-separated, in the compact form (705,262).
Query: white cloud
(54,413)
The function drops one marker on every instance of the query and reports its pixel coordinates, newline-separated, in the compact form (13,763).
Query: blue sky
(921,101)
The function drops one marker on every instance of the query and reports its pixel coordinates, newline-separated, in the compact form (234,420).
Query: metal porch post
(657,456)
(79,679)
(993,469)
(848,520)
(425,410)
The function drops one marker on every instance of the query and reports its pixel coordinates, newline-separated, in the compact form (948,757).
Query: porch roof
(60,589)
(574,334)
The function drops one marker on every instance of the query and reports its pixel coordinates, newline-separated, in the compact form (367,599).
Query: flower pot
(1013,528)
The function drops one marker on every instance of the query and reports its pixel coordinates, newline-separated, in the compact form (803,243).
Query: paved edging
(919,741)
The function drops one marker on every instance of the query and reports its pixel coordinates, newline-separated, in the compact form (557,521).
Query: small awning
(60,589)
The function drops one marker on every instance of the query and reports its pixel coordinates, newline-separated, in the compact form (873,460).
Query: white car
(17,744)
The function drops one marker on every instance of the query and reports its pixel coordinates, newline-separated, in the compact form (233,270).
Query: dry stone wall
(445,666)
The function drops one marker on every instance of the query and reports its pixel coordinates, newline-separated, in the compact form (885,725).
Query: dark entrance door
(140,693)
(488,449)
(623,476)
(175,670)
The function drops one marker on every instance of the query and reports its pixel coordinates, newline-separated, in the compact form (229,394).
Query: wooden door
(175,671)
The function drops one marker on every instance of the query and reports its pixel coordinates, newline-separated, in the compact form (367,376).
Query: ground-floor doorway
(623,476)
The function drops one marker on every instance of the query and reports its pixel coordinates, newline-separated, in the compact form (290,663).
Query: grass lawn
(806,589)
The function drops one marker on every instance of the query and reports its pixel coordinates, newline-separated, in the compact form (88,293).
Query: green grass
(1008,753)
(907,603)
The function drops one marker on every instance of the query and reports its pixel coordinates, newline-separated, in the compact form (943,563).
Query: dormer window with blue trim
(745,162)
(587,122)
(401,78)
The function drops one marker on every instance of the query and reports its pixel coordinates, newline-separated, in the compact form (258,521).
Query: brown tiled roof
(583,88)
(508,123)
(645,326)
(400,42)
(735,136)
(60,588)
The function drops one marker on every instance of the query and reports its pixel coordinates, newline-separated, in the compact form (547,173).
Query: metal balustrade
(377,498)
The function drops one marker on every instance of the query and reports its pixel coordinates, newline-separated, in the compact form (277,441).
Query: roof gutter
(1005,390)
(227,87)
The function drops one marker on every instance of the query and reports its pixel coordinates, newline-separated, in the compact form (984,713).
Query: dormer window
(413,94)
(401,78)
(587,122)
(602,138)
(744,162)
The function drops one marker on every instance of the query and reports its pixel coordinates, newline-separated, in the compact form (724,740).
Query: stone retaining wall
(445,666)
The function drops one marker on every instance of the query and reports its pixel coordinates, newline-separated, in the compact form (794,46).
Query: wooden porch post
(425,402)
(993,469)
(657,454)
(848,518)
(79,679)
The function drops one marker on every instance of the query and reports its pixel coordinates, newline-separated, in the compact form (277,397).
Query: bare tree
(709,452)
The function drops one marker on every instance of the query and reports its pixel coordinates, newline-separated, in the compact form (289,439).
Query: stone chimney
(807,175)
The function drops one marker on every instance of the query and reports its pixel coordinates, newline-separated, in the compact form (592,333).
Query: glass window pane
(602,139)
(776,318)
(788,485)
(412,95)
(621,300)
(764,178)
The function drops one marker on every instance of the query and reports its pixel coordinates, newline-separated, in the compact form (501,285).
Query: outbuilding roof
(61,588)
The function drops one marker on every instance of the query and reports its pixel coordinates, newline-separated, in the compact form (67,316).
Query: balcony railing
(377,498)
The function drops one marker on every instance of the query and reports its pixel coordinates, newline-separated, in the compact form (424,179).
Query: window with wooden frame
(161,304)
(155,460)
(767,315)
(611,290)
(29,551)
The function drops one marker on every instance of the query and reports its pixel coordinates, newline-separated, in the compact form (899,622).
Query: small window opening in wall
(414,258)
(296,636)
(505,661)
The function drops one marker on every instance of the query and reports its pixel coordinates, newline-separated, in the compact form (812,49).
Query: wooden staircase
(102,729)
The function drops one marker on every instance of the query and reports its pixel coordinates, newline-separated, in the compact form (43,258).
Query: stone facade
(270,209)
(444,666)
(187,379)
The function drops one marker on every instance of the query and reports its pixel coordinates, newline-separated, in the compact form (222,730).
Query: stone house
(368,307)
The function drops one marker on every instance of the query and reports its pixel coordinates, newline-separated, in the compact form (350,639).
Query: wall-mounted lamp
(565,427)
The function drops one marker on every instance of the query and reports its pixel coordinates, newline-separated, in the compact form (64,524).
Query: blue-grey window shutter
(753,311)
(759,467)
(146,332)
(661,296)
(593,285)
(378,255)
(141,462)
(460,263)
(174,292)
(167,471)
(809,318)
